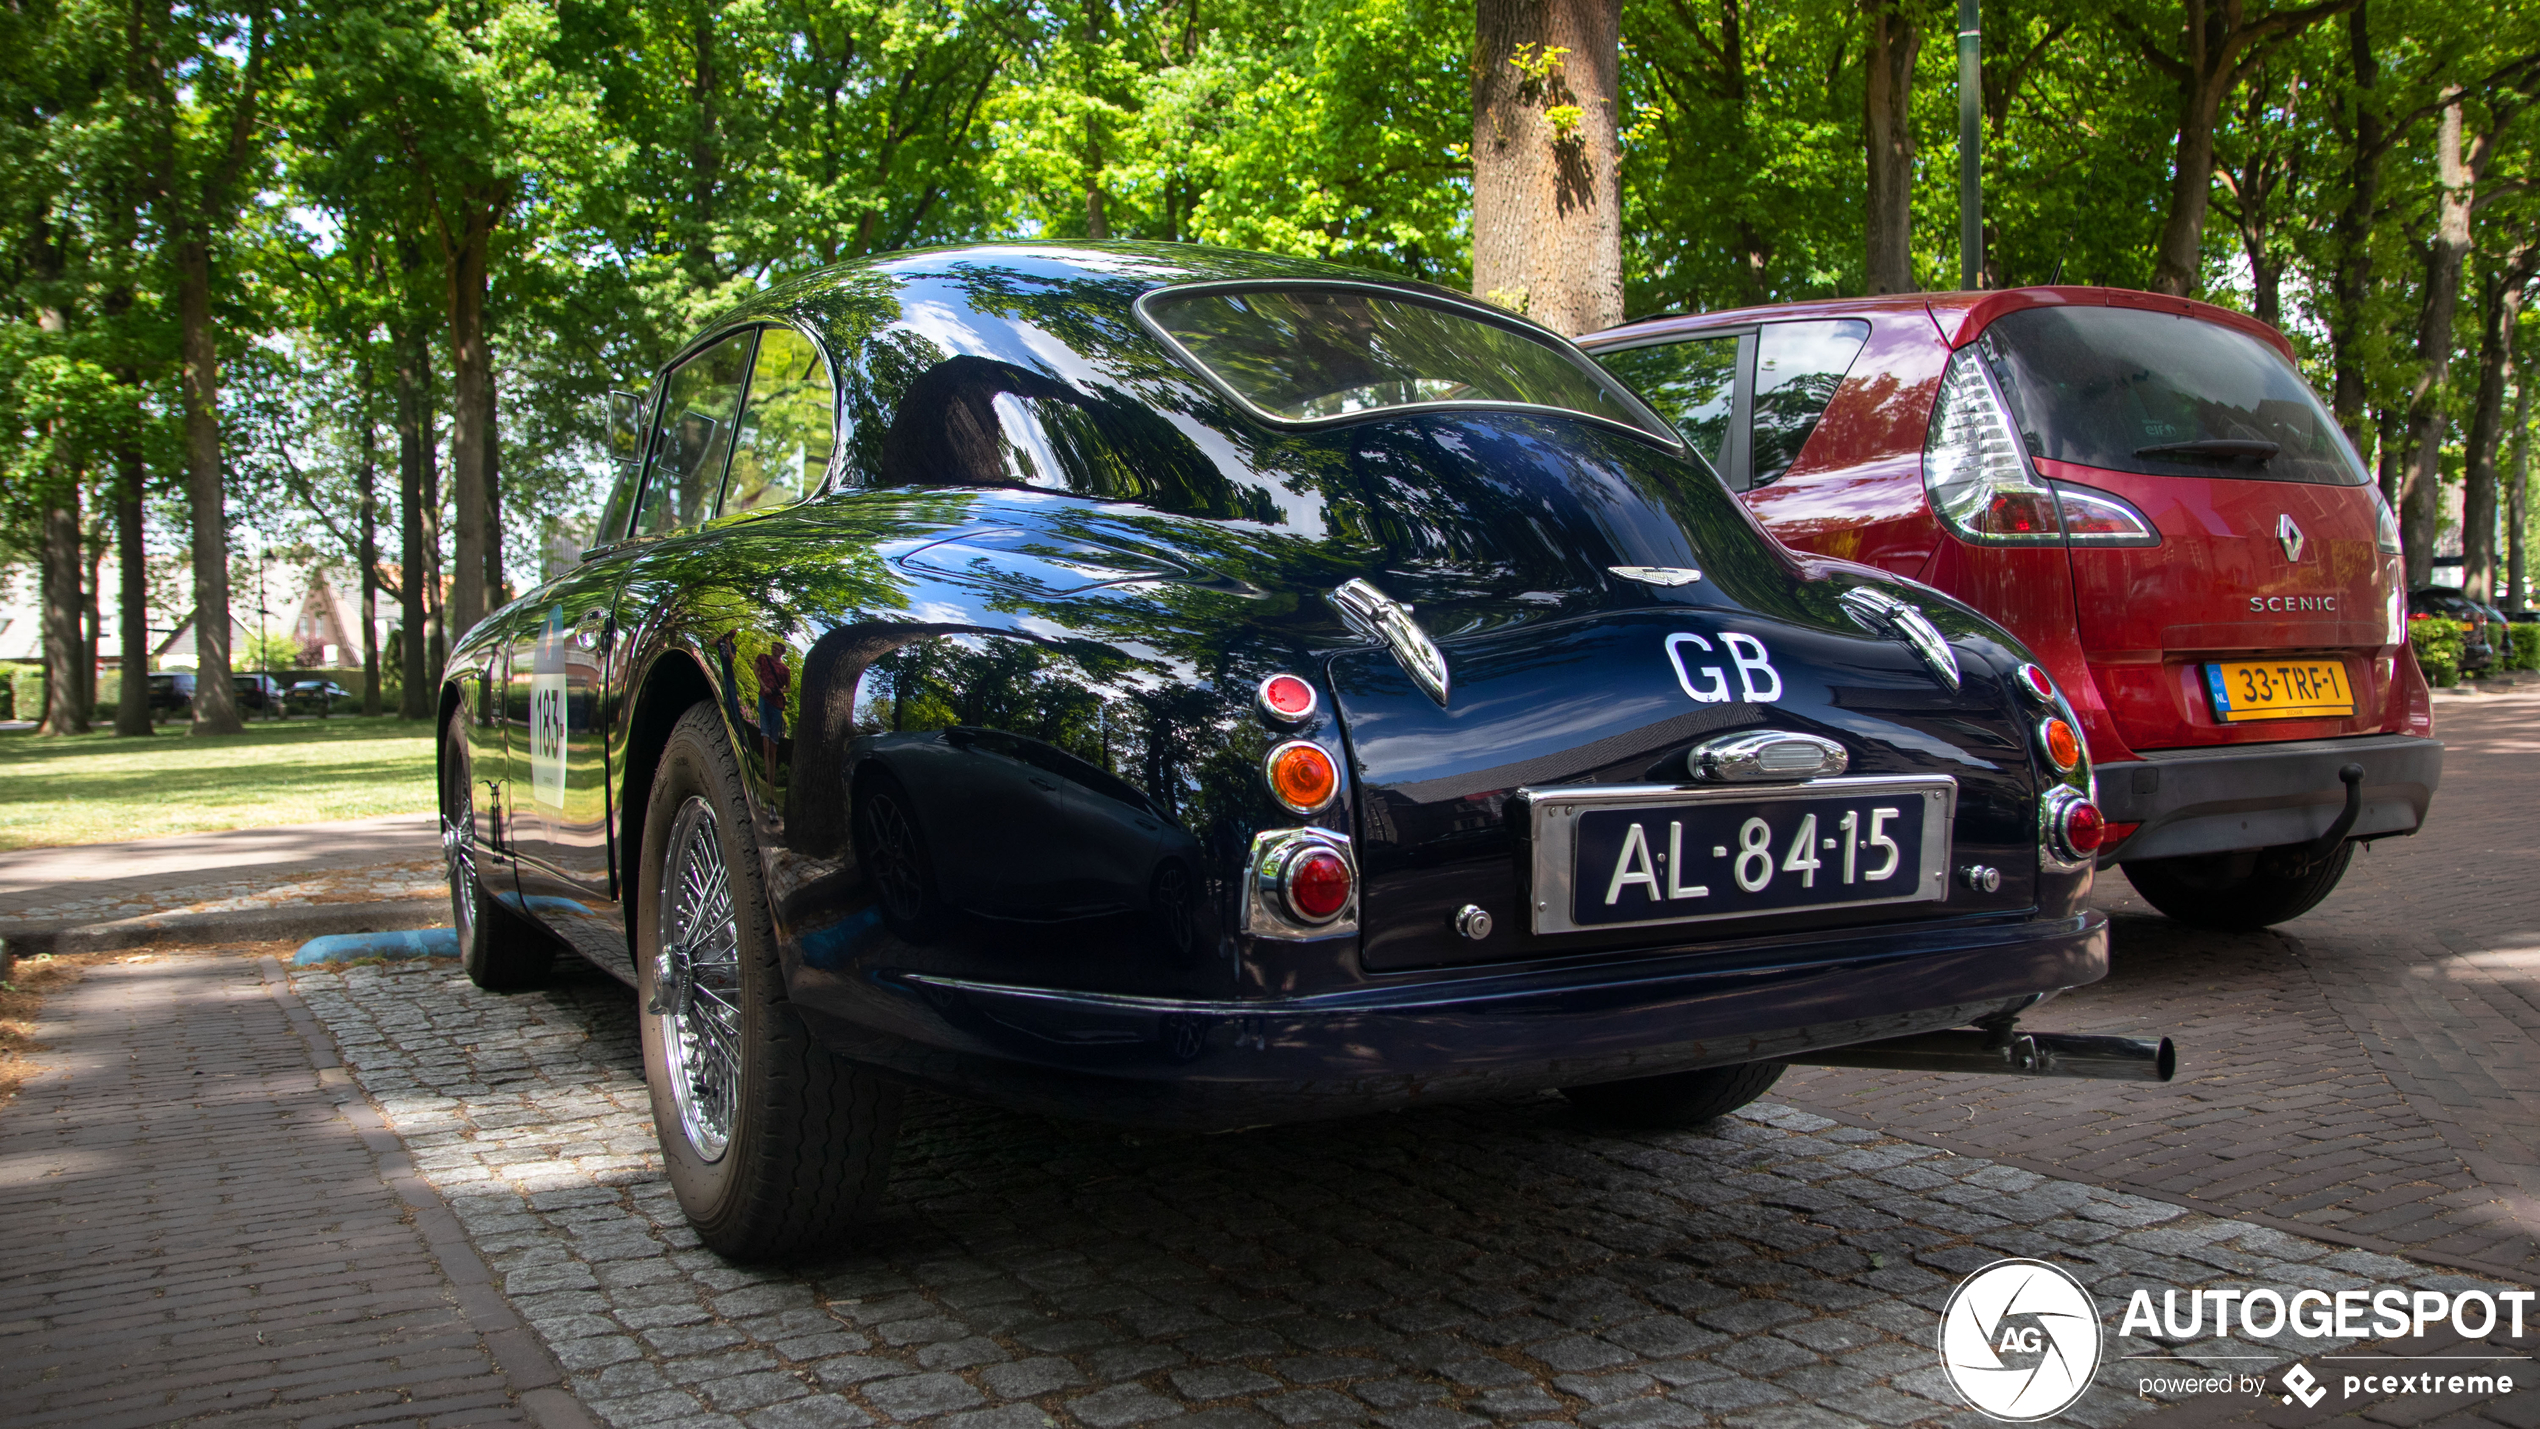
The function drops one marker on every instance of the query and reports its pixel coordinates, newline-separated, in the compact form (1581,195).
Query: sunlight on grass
(96,788)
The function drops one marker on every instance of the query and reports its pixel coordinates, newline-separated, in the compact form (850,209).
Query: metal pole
(1970,147)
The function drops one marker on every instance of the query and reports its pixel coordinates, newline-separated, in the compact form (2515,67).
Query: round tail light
(1286,698)
(1302,776)
(2084,827)
(2034,683)
(2061,742)
(2075,829)
(1317,884)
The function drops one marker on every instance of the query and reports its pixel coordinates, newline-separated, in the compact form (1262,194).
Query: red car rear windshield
(2122,389)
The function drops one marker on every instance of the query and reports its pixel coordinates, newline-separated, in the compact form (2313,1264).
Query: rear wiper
(2219,448)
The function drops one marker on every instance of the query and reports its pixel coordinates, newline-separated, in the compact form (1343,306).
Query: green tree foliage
(440,233)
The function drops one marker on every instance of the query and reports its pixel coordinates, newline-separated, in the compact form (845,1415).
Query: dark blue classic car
(1200,689)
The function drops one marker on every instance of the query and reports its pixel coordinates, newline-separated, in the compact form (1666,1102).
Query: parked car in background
(2148,494)
(315,697)
(1200,689)
(258,695)
(2482,643)
(171,695)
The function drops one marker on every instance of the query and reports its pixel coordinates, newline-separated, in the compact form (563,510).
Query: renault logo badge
(2290,535)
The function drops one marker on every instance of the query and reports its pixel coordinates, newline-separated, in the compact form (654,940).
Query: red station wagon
(2145,491)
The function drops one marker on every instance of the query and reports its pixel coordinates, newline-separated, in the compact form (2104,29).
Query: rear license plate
(2279,689)
(1634,855)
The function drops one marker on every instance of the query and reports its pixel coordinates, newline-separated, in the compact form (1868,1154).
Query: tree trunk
(2350,281)
(496,590)
(92,618)
(63,711)
(414,422)
(2518,498)
(1888,140)
(132,570)
(2499,308)
(368,554)
(2178,257)
(2420,510)
(1547,194)
(215,701)
(471,421)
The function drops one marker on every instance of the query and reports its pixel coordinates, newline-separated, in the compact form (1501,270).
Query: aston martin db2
(1192,688)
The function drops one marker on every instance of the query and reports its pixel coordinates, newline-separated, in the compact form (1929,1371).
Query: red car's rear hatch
(2268,609)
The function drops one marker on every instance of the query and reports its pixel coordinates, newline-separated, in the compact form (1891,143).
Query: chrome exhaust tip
(2009,1053)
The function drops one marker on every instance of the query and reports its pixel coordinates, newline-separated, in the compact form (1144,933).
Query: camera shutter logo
(2020,1339)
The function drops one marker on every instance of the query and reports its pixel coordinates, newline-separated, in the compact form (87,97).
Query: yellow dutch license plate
(2279,689)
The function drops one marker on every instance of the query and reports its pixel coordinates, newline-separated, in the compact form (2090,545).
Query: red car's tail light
(1302,776)
(1975,468)
(1977,471)
(2095,518)
(1286,698)
(2061,742)
(1317,885)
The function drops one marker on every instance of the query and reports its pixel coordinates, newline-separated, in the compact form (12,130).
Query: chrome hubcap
(458,853)
(697,981)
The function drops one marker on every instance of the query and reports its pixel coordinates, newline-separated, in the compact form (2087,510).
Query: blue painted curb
(347,947)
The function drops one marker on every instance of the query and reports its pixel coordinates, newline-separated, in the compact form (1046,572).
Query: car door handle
(593,632)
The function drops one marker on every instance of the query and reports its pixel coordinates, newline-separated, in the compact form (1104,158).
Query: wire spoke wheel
(697,981)
(458,856)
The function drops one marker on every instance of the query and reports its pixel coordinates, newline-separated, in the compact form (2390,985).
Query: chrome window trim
(1550,869)
(1656,429)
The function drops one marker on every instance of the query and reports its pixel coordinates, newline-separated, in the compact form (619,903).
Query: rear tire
(774,1147)
(1677,1100)
(2236,893)
(891,847)
(500,949)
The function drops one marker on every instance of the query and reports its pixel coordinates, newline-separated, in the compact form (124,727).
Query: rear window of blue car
(1315,355)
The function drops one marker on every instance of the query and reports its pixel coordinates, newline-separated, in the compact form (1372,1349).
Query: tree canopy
(356,276)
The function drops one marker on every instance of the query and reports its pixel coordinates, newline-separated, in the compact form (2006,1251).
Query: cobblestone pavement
(2367,1072)
(200,1219)
(1426,1270)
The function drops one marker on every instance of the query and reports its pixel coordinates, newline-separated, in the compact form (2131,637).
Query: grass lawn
(95,788)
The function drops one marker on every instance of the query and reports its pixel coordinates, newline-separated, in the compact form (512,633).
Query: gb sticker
(1757,680)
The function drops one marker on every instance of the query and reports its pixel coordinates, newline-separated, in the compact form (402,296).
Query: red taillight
(1302,776)
(1318,885)
(1286,698)
(2118,833)
(2061,743)
(2084,827)
(2018,513)
(2035,684)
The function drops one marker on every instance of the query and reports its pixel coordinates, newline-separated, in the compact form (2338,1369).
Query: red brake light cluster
(2084,827)
(2035,684)
(1317,885)
(1286,698)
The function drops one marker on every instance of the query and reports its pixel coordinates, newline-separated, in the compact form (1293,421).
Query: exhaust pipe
(2011,1053)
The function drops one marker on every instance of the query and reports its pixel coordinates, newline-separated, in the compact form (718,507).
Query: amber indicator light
(1318,885)
(2063,746)
(1303,776)
(1286,698)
